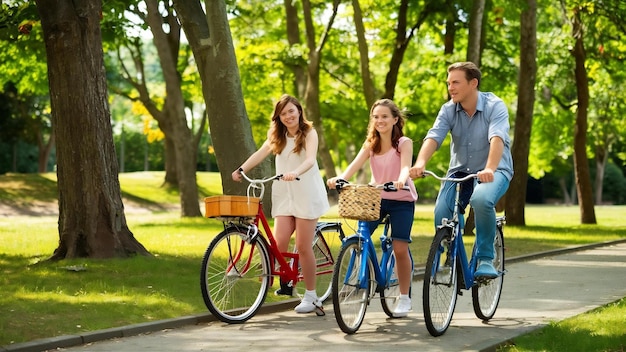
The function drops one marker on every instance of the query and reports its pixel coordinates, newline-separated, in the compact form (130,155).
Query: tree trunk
(475,32)
(516,195)
(175,127)
(91,214)
(44,151)
(403,38)
(214,53)
(567,199)
(369,88)
(450,33)
(311,97)
(293,38)
(602,156)
(581,163)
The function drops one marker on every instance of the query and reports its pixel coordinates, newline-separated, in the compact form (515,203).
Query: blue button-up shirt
(469,147)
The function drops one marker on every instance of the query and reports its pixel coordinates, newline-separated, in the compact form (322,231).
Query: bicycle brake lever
(389,187)
(340,183)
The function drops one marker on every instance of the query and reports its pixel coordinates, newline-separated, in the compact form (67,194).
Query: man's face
(459,87)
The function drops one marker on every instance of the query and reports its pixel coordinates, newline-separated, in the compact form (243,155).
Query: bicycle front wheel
(486,295)
(349,298)
(326,247)
(440,284)
(235,275)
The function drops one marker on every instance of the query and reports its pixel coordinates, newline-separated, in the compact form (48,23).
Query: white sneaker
(310,303)
(403,307)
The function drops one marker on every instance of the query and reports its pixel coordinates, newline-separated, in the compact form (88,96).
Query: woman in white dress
(298,203)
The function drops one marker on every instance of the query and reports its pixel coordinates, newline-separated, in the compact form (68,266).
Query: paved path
(535,292)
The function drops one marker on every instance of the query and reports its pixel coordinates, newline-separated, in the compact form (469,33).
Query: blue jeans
(483,200)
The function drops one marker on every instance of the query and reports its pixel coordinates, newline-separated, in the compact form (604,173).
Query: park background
(95,89)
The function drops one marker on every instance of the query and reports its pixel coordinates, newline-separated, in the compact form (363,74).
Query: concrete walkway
(536,292)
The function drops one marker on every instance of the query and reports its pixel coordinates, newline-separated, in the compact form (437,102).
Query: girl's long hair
(278,131)
(373,137)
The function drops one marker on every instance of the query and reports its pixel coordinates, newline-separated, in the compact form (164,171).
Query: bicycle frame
(287,270)
(369,251)
(458,251)
(286,261)
(446,257)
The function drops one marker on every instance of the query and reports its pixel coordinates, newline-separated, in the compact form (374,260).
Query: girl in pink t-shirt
(390,154)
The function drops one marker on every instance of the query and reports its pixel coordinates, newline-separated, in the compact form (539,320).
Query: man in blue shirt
(478,123)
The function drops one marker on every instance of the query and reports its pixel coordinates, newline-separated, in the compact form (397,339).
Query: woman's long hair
(278,131)
(373,137)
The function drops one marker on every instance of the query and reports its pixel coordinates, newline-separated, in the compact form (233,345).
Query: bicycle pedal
(319,311)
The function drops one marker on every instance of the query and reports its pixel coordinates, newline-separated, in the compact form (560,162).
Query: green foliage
(614,185)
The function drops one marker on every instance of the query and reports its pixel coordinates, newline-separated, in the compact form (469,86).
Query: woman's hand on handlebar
(236,175)
(289,176)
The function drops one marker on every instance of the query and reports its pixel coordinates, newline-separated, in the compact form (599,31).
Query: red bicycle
(240,264)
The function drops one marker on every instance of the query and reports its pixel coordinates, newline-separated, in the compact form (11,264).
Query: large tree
(92,222)
(210,39)
(516,196)
(581,164)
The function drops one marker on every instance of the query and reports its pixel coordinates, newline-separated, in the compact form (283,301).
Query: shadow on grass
(93,294)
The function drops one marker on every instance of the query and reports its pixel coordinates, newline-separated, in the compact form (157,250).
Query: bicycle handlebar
(387,187)
(260,180)
(452,179)
(259,184)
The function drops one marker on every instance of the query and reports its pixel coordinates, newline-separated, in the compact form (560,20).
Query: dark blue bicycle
(448,270)
(358,274)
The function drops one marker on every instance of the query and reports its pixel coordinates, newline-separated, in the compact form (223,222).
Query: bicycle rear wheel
(326,247)
(440,284)
(486,295)
(391,294)
(235,275)
(349,299)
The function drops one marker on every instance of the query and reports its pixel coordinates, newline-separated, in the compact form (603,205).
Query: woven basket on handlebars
(359,202)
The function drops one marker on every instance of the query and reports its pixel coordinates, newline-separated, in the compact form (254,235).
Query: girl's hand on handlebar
(336,182)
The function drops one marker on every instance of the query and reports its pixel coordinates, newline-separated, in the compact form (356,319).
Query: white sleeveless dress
(306,198)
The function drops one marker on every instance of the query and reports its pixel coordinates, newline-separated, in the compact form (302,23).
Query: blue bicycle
(448,270)
(358,275)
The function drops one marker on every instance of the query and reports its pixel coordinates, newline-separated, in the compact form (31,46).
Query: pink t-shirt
(386,167)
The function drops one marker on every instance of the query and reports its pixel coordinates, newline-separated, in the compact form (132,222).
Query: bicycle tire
(486,295)
(349,300)
(235,275)
(326,247)
(440,284)
(390,296)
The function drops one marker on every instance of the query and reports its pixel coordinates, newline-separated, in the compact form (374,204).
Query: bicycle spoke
(235,276)
(440,285)
(349,299)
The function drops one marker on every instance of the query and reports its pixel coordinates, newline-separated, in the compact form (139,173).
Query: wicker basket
(359,202)
(224,206)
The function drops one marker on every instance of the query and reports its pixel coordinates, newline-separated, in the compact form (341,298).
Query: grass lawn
(41,299)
